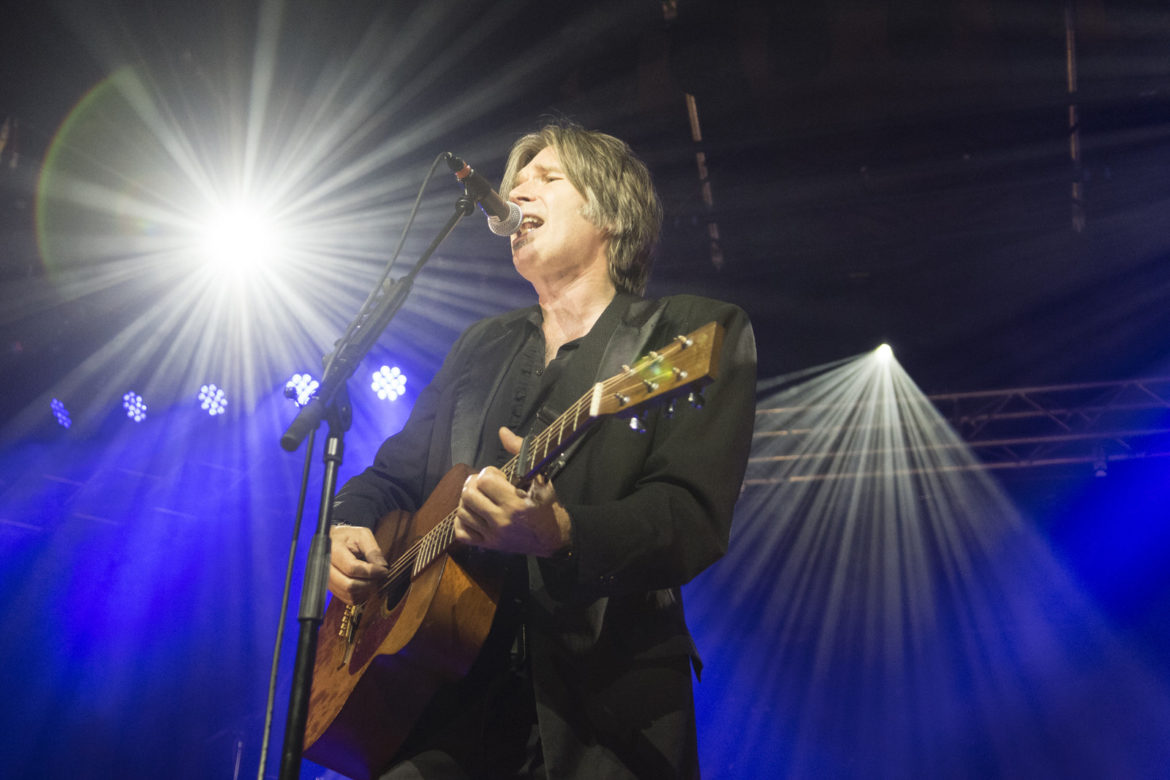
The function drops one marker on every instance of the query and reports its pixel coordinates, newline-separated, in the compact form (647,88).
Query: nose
(520,193)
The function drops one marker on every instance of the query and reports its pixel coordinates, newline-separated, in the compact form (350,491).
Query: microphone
(503,216)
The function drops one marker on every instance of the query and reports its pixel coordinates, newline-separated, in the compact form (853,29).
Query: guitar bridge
(349,621)
(349,624)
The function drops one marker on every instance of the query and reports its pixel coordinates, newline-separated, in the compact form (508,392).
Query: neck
(570,312)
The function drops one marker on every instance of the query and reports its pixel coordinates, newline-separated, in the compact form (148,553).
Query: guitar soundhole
(396,590)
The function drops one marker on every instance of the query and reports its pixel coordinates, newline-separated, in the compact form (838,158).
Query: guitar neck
(539,450)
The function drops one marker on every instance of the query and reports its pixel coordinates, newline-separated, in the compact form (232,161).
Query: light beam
(917,626)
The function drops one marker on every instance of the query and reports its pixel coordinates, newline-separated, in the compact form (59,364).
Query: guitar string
(440,537)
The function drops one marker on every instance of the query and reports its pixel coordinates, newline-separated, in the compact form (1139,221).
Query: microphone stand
(332,403)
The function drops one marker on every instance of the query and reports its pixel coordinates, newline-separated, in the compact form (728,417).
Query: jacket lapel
(487,361)
(631,337)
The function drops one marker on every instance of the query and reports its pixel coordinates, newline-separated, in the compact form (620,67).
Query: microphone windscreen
(506,227)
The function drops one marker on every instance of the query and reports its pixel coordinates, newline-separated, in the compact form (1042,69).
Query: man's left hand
(495,514)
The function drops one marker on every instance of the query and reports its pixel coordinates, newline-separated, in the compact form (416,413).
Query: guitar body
(369,690)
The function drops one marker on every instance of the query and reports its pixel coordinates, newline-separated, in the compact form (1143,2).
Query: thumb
(368,546)
(510,441)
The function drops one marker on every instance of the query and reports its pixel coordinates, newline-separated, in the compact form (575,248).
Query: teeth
(530,223)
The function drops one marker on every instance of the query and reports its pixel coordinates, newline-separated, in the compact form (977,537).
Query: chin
(521,267)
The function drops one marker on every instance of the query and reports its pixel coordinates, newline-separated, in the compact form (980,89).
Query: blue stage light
(134,405)
(300,388)
(212,399)
(61,413)
(389,383)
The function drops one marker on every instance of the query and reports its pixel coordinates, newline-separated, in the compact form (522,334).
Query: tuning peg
(670,408)
(696,400)
(637,425)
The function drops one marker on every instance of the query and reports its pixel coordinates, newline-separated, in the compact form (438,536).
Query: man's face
(554,241)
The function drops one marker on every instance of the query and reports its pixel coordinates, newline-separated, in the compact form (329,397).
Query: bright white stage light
(212,400)
(134,405)
(239,239)
(884,353)
(300,388)
(389,383)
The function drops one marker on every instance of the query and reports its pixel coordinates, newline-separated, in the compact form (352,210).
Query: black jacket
(609,648)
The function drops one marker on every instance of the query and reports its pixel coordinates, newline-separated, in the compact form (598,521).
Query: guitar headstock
(680,367)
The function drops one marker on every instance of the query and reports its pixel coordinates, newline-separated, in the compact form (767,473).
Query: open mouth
(527,225)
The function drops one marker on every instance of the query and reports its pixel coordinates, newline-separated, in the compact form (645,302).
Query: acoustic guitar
(379,663)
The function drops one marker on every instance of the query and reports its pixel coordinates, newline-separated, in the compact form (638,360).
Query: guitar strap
(617,338)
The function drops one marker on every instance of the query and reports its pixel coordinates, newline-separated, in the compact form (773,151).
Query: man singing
(586,672)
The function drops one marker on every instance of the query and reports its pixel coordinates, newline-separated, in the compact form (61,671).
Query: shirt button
(540,372)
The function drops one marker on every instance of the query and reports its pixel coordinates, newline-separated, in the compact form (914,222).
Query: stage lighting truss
(389,383)
(1085,426)
(61,413)
(300,388)
(134,405)
(212,400)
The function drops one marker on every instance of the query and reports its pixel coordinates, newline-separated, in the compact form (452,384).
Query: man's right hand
(357,565)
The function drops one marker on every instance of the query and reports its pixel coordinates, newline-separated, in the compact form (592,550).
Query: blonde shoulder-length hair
(619,194)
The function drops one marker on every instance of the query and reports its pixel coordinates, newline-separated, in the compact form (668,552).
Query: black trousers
(476,729)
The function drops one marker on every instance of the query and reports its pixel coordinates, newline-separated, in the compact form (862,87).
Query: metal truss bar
(977,444)
(1067,411)
(957,467)
(1040,417)
(1024,395)
(1020,391)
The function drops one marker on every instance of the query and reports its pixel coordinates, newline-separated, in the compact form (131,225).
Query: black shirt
(526,389)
